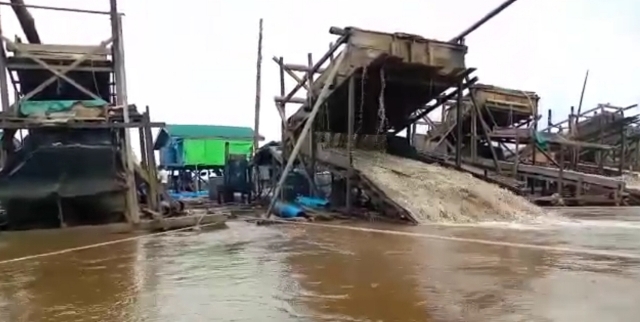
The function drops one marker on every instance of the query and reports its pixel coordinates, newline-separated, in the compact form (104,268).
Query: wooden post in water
(154,189)
(312,136)
(256,117)
(283,129)
(144,160)
(517,155)
(351,120)
(459,123)
(474,135)
(7,141)
(132,212)
(623,149)
(561,173)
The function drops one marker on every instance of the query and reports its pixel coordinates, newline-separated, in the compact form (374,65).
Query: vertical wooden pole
(534,181)
(414,130)
(143,149)
(571,132)
(256,117)
(133,214)
(517,160)
(601,156)
(637,156)
(459,123)
(283,129)
(154,190)
(7,140)
(561,173)
(350,125)
(474,134)
(4,85)
(623,149)
(312,135)
(256,124)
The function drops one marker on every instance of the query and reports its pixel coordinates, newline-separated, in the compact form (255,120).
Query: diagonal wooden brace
(63,71)
(53,70)
(289,138)
(291,73)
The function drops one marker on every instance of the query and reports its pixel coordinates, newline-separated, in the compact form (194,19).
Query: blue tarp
(172,154)
(187,195)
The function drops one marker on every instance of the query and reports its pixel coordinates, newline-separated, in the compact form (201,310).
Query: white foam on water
(600,224)
(556,223)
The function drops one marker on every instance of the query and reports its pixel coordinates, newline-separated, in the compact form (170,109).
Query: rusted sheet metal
(365,47)
(494,97)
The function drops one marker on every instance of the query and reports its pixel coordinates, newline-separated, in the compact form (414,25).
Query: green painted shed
(183,145)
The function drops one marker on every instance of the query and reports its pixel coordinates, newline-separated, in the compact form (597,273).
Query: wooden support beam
(133,208)
(256,115)
(312,136)
(152,169)
(304,69)
(64,71)
(294,100)
(485,131)
(459,123)
(54,71)
(350,135)
(290,73)
(305,130)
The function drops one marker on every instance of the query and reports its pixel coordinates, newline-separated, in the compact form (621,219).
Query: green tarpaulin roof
(209,131)
(190,131)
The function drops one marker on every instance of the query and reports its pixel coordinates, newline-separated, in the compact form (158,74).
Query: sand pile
(437,194)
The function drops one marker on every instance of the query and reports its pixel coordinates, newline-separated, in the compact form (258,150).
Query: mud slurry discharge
(436,194)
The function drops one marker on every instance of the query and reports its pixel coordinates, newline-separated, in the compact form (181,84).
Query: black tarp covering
(62,163)
(76,172)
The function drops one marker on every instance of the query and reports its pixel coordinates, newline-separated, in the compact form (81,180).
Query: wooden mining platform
(373,86)
(542,164)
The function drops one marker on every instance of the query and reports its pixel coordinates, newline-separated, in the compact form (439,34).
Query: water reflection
(357,276)
(91,285)
(221,276)
(293,273)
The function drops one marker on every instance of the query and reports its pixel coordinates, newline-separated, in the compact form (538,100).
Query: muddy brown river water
(292,273)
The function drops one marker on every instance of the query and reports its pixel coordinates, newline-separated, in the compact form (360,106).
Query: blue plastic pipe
(312,202)
(287,210)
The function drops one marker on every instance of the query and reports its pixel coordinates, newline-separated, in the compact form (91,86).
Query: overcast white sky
(193,62)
